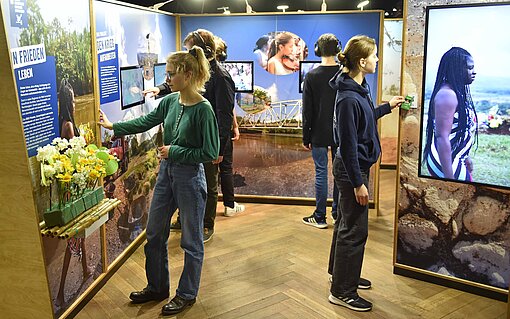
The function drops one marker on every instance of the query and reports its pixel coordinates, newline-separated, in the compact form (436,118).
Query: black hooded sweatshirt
(355,126)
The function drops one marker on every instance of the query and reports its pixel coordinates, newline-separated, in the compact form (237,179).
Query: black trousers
(211,177)
(349,236)
(227,176)
(224,171)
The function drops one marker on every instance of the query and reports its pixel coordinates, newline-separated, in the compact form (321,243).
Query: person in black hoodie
(318,105)
(355,131)
(219,91)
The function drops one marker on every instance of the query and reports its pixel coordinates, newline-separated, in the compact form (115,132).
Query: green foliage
(491,159)
(107,136)
(146,188)
(484,106)
(152,160)
(72,50)
(392,90)
(134,147)
(152,179)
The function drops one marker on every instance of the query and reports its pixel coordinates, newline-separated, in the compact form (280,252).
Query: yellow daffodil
(65,178)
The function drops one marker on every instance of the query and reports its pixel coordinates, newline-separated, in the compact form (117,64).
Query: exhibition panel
(51,46)
(391,78)
(51,54)
(454,228)
(19,235)
(269,158)
(65,65)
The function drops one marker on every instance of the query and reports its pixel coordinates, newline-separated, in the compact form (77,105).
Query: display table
(83,225)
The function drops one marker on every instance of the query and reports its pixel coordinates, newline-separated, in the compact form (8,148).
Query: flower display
(74,166)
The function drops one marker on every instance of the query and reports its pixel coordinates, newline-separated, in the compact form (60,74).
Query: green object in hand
(407,104)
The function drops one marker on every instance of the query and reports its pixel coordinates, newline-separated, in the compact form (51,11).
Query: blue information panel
(108,70)
(19,15)
(37,95)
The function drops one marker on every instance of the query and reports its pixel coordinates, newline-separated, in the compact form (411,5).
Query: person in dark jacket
(358,149)
(318,105)
(219,91)
(231,207)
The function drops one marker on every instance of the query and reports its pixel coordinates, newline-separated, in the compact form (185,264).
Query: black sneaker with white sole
(362,283)
(356,304)
(315,221)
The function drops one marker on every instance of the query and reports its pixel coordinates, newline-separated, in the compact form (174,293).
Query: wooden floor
(265,263)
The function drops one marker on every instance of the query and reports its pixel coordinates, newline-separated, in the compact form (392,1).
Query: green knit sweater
(193,139)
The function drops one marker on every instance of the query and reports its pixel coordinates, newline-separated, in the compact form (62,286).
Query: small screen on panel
(131,83)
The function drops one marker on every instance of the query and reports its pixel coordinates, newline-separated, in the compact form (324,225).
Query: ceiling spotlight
(386,14)
(225,10)
(324,6)
(362,4)
(282,7)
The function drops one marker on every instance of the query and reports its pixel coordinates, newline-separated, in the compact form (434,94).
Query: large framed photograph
(304,68)
(131,84)
(465,121)
(242,74)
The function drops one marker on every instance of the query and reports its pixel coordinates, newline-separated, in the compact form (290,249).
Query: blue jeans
(178,186)
(320,159)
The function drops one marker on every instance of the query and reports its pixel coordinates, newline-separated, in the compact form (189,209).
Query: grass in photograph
(492,160)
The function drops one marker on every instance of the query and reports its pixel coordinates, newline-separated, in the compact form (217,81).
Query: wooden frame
(421,274)
(373,203)
(19,273)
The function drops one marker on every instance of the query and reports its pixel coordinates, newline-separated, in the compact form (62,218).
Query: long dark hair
(452,71)
(65,106)
(261,42)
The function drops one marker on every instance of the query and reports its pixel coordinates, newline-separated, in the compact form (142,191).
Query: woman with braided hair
(452,121)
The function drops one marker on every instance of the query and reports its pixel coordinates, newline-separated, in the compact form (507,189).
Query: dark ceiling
(393,8)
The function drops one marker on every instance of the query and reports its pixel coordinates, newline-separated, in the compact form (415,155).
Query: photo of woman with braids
(67,128)
(452,121)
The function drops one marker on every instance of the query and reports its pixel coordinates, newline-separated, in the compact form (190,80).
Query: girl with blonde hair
(190,138)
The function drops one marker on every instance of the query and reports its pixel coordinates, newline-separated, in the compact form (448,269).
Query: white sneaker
(238,208)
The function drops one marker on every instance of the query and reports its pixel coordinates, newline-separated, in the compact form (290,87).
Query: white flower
(77,142)
(60,143)
(58,166)
(48,171)
(80,179)
(45,154)
(56,140)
